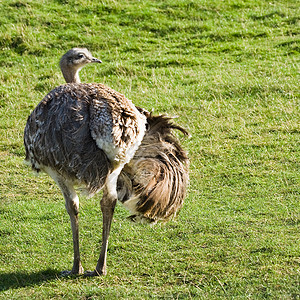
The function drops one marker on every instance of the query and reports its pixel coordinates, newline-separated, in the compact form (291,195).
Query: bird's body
(76,123)
(91,136)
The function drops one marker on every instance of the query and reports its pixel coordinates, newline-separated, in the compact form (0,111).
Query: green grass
(230,71)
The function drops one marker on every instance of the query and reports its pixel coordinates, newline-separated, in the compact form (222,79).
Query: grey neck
(71,75)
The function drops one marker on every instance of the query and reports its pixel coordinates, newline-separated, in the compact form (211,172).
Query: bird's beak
(96,60)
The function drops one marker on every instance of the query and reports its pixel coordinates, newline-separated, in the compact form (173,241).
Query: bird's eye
(80,56)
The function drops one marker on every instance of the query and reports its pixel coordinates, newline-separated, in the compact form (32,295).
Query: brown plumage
(158,173)
(91,136)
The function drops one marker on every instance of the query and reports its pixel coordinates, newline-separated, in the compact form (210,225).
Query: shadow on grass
(22,279)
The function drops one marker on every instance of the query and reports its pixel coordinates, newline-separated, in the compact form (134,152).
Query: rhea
(92,137)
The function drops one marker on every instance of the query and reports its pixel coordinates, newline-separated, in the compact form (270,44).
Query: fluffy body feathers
(68,136)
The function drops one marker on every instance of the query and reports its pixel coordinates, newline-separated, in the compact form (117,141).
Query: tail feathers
(154,183)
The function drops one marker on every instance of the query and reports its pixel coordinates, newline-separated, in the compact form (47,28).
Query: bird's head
(74,60)
(78,57)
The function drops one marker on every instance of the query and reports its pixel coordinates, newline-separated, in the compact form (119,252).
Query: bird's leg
(108,203)
(107,207)
(72,207)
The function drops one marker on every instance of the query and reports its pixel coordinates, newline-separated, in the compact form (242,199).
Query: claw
(92,273)
(66,273)
(71,273)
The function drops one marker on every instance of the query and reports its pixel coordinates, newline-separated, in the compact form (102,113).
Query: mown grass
(230,71)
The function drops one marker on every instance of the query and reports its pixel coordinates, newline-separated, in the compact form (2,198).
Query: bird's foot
(93,273)
(66,273)
(78,271)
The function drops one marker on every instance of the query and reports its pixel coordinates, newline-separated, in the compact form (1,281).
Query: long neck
(71,75)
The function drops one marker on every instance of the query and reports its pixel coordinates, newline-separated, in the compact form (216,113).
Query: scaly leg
(108,203)
(72,206)
(107,207)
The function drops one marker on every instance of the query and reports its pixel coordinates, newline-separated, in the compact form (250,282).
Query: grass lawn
(230,71)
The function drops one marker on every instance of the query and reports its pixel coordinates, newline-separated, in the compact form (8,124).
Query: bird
(90,137)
